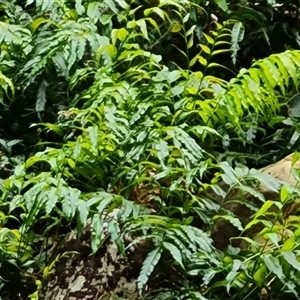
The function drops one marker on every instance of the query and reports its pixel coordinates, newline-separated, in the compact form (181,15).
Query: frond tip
(261,89)
(149,264)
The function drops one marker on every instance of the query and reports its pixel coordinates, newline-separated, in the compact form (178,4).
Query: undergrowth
(116,122)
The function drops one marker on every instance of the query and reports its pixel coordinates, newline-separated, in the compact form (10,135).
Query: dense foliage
(145,107)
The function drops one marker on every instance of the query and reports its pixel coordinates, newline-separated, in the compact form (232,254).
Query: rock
(82,276)
(282,171)
(223,230)
(107,273)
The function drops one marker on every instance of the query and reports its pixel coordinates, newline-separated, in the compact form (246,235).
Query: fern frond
(199,238)
(174,238)
(261,89)
(149,264)
(217,42)
(175,252)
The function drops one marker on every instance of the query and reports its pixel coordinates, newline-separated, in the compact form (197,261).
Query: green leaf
(143,26)
(230,278)
(291,258)
(149,264)
(105,199)
(53,127)
(273,265)
(229,175)
(60,62)
(70,199)
(6,83)
(82,212)
(202,60)
(51,201)
(254,244)
(220,51)
(190,42)
(176,27)
(254,192)
(154,24)
(32,160)
(120,34)
(123,4)
(79,7)
(221,4)
(268,181)
(218,190)
(38,22)
(205,48)
(162,150)
(273,237)
(156,10)
(267,224)
(93,134)
(237,35)
(294,106)
(208,38)
(288,244)
(266,207)
(190,31)
(97,229)
(284,194)
(186,18)
(175,252)
(115,233)
(216,65)
(41,97)
(260,276)
(233,220)
(296,157)
(81,46)
(111,5)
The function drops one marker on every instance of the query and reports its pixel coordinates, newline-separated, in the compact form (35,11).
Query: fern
(219,41)
(141,132)
(262,89)
(64,48)
(149,264)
